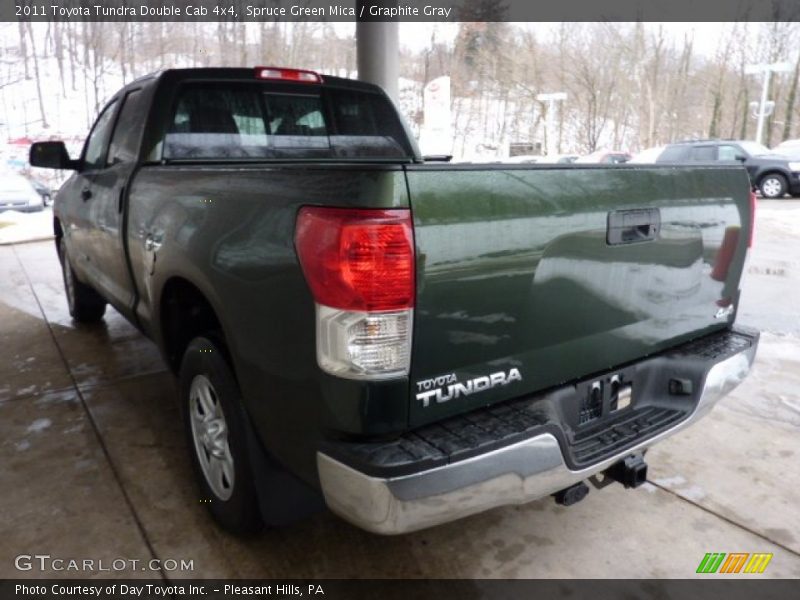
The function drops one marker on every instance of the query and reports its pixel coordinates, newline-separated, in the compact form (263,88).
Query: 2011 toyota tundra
(413,342)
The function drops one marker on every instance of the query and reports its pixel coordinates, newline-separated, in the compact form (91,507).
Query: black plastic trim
(500,425)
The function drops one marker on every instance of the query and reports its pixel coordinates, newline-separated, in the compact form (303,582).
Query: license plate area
(633,403)
(602,397)
(609,412)
(621,397)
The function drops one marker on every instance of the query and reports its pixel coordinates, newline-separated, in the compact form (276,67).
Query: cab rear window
(258,122)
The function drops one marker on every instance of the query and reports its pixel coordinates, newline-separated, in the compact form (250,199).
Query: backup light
(361,345)
(295,75)
(359,264)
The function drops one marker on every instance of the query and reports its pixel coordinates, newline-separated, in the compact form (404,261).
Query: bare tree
(45,125)
(23,48)
(790,101)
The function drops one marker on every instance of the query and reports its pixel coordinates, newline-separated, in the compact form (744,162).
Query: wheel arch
(772,171)
(185,311)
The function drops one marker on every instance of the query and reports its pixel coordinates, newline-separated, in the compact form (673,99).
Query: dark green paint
(239,250)
(514,271)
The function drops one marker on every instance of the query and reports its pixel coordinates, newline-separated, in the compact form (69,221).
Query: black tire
(235,505)
(773,186)
(85,304)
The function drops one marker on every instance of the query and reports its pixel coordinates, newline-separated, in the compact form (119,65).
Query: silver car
(790,148)
(17,193)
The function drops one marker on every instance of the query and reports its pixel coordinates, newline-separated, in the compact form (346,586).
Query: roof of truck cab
(238,73)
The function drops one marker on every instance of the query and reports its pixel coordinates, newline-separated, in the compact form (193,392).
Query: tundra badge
(447,387)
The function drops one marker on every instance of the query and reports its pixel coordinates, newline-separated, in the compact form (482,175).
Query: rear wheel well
(186,313)
(768,173)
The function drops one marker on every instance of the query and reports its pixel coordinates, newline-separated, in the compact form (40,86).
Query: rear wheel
(211,405)
(773,186)
(85,304)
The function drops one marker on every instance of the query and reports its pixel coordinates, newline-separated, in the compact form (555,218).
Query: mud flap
(282,497)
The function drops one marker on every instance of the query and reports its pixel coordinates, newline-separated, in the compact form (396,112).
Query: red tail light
(295,75)
(753,204)
(725,255)
(357,259)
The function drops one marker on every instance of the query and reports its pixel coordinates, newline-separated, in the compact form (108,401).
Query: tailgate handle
(632,226)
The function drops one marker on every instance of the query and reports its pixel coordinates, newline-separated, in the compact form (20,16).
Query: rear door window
(675,153)
(704,153)
(728,153)
(259,122)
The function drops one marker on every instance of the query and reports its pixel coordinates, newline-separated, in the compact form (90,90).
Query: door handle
(151,244)
(86,193)
(631,226)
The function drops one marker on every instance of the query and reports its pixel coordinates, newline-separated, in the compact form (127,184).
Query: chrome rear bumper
(515,474)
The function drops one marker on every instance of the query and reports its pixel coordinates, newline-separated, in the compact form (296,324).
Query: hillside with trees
(629,85)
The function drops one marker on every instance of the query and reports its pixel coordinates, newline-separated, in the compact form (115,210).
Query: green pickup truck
(405,342)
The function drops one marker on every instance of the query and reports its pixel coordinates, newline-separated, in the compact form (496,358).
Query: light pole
(551,100)
(767,69)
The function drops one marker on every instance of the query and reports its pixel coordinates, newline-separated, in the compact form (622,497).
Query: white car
(560,159)
(790,148)
(17,193)
(523,159)
(647,156)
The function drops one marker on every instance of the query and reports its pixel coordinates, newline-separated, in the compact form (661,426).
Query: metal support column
(378,48)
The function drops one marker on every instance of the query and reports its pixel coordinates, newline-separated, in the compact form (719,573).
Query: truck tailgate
(529,277)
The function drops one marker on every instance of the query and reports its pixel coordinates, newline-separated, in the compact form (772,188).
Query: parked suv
(773,175)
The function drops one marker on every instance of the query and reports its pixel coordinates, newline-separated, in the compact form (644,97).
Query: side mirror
(51,155)
(740,157)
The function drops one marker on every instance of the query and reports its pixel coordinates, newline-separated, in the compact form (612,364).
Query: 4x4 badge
(725,312)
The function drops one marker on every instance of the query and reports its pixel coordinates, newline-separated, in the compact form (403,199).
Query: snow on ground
(21,227)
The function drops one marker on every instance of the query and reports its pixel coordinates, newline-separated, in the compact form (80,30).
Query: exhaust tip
(630,472)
